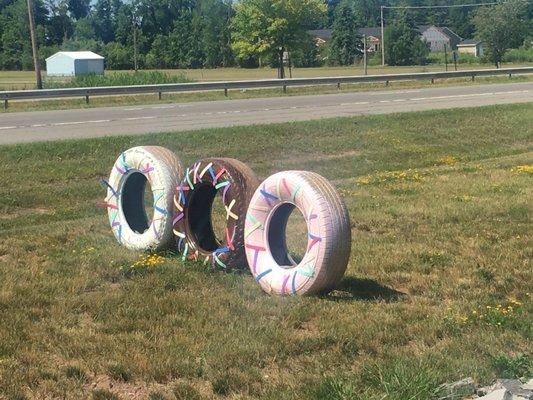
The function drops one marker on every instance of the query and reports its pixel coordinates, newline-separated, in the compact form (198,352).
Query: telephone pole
(34,45)
(382,39)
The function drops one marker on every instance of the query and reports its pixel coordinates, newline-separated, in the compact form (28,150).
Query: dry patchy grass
(440,205)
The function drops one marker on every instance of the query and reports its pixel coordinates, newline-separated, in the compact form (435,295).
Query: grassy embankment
(438,285)
(21,80)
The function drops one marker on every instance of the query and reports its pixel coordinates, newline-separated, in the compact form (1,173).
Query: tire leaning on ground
(328,228)
(133,170)
(193,201)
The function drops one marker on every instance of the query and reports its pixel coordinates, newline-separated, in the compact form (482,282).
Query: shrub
(519,55)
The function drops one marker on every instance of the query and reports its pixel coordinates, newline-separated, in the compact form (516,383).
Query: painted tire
(161,169)
(193,202)
(328,228)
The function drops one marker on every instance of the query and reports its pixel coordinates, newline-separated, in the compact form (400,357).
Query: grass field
(437,288)
(15,80)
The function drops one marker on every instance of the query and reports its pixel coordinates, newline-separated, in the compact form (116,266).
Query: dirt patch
(25,212)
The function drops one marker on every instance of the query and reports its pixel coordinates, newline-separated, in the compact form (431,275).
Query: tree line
(219,33)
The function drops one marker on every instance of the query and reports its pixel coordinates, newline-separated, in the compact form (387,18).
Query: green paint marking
(189,179)
(221,185)
(307,271)
(185,252)
(296,192)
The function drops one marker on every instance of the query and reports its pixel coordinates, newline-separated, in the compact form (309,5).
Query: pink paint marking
(284,287)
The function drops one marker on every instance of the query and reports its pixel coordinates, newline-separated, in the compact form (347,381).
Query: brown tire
(193,202)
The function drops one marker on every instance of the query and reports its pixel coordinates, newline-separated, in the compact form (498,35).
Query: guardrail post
(510,75)
(473,78)
(159,95)
(338,86)
(86,99)
(6,104)
(226,91)
(386,83)
(284,88)
(432,80)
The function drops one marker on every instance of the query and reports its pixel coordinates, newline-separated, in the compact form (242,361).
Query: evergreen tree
(346,44)
(79,8)
(103,21)
(403,45)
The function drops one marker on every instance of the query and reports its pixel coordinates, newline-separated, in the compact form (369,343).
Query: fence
(250,84)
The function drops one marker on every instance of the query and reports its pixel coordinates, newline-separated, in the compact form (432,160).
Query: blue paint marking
(268,195)
(313,237)
(222,250)
(182,195)
(180,242)
(120,234)
(106,183)
(212,173)
(294,283)
(164,212)
(263,274)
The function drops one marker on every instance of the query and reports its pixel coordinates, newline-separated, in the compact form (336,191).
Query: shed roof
(469,42)
(78,55)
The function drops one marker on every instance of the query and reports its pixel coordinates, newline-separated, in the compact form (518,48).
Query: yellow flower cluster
(523,169)
(447,160)
(492,315)
(390,176)
(148,260)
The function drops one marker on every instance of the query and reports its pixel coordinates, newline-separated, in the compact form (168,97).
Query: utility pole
(445,57)
(34,46)
(365,60)
(382,38)
(135,63)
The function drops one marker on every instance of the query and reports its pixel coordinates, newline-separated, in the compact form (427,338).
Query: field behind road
(437,289)
(22,80)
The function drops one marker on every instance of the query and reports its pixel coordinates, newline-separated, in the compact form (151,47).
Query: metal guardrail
(250,84)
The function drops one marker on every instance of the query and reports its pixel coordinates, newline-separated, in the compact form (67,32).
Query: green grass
(116,79)
(44,105)
(14,80)
(441,224)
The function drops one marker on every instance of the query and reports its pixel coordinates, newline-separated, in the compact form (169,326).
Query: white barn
(71,63)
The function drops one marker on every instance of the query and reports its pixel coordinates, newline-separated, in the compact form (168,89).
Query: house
(73,63)
(438,37)
(321,36)
(471,46)
(373,35)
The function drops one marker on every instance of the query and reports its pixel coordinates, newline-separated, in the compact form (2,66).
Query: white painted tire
(134,168)
(329,236)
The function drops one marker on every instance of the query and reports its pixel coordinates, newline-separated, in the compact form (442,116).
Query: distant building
(471,46)
(73,63)
(373,37)
(436,37)
(322,36)
(439,36)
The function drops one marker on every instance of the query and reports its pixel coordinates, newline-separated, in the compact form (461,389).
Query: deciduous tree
(262,28)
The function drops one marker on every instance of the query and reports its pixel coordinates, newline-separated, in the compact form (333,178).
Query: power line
(443,6)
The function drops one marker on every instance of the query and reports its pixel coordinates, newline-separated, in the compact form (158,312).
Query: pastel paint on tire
(207,181)
(328,234)
(134,169)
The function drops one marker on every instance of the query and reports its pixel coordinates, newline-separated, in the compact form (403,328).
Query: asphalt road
(96,122)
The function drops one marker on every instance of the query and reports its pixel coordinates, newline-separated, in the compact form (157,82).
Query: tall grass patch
(116,79)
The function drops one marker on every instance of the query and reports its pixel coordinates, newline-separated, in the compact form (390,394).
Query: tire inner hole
(137,202)
(288,235)
(207,217)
